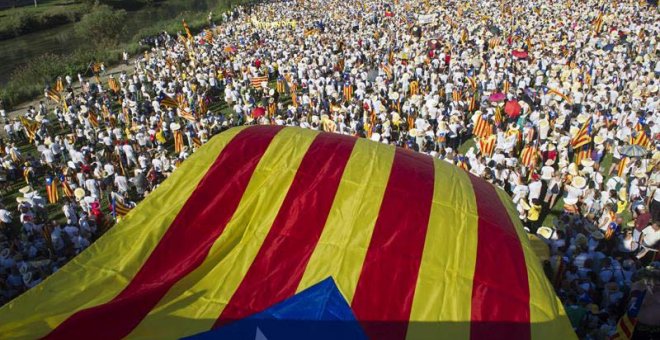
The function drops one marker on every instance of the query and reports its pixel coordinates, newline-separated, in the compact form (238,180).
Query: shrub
(103,26)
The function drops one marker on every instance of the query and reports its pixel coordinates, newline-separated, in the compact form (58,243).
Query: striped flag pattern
(583,136)
(487,145)
(256,81)
(51,190)
(626,325)
(119,208)
(482,128)
(528,155)
(260,213)
(178,141)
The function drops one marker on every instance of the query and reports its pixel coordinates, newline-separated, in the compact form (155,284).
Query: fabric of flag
(281,88)
(417,247)
(598,24)
(583,136)
(93,120)
(622,166)
(560,94)
(120,208)
(197,143)
(187,29)
(51,190)
(113,85)
(482,127)
(473,82)
(59,85)
(348,91)
(169,102)
(208,36)
(641,139)
(340,65)
(256,81)
(498,116)
(626,325)
(272,109)
(506,86)
(319,312)
(581,153)
(414,87)
(472,106)
(528,155)
(456,95)
(493,42)
(487,145)
(31,127)
(178,141)
(66,189)
(53,95)
(388,70)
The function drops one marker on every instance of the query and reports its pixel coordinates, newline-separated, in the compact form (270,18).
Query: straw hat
(394,96)
(579,182)
(79,193)
(587,162)
(24,190)
(175,126)
(572,169)
(573,131)
(546,233)
(599,140)
(21,199)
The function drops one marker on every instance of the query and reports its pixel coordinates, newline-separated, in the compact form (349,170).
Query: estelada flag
(417,247)
(51,190)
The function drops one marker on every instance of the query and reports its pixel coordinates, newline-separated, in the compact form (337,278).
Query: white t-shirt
(651,236)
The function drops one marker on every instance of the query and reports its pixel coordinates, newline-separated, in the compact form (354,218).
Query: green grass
(48,14)
(27,82)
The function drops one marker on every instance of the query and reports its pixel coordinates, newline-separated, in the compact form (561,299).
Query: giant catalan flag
(417,247)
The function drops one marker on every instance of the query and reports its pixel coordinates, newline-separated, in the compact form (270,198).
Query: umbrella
(633,151)
(258,112)
(519,54)
(497,97)
(512,108)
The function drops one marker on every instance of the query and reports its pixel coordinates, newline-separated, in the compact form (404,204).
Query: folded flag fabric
(319,312)
(418,248)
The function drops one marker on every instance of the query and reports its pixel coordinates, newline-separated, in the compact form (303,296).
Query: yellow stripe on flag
(126,247)
(544,305)
(203,294)
(454,208)
(343,245)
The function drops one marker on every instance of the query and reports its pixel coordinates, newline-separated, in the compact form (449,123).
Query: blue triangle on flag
(318,312)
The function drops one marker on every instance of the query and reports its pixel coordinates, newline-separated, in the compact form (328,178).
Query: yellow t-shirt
(534,212)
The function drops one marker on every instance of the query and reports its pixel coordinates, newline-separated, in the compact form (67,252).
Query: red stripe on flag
(184,246)
(500,291)
(386,288)
(280,264)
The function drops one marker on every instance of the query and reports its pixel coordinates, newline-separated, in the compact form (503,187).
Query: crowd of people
(555,102)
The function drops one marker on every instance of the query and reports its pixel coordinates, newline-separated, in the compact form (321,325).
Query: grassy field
(27,81)
(17,21)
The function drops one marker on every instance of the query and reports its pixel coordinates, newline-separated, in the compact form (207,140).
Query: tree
(102,26)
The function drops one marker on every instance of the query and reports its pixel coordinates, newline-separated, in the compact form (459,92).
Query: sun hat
(579,182)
